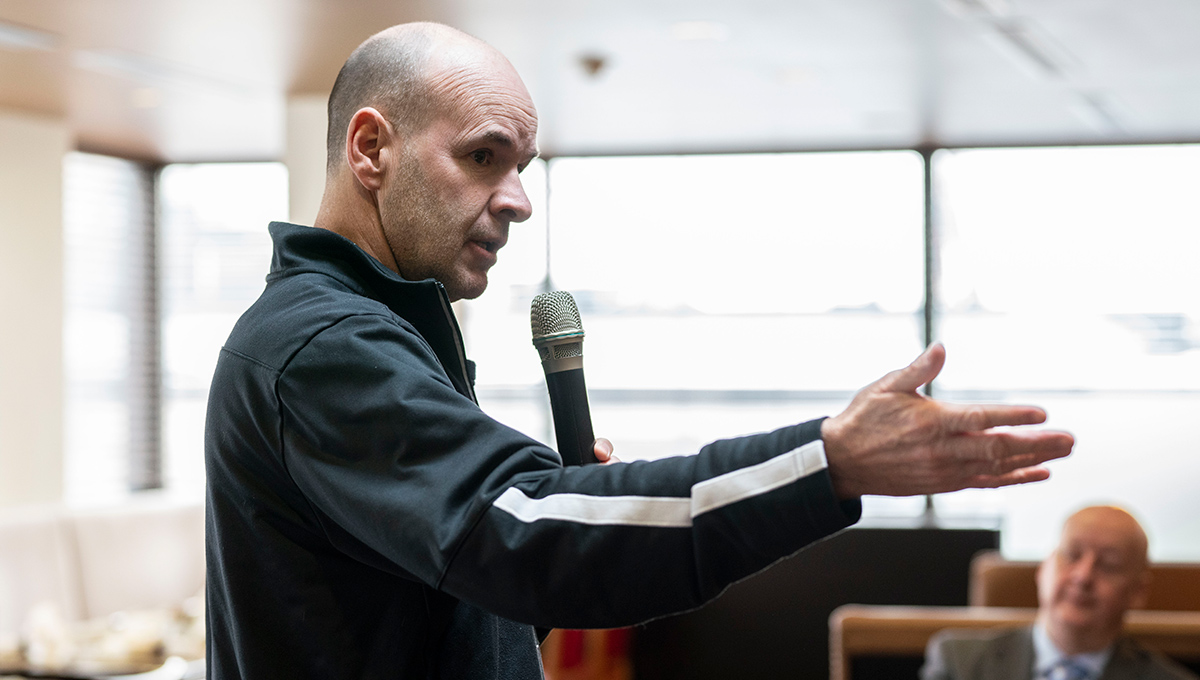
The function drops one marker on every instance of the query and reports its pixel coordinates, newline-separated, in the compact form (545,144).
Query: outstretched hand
(892,441)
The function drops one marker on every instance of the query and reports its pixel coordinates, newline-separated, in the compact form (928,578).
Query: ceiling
(194,80)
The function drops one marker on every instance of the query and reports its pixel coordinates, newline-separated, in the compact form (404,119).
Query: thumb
(923,369)
(603,449)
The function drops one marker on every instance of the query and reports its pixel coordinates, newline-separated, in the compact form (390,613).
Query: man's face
(1096,574)
(456,187)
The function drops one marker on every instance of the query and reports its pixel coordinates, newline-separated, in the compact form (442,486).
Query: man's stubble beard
(424,238)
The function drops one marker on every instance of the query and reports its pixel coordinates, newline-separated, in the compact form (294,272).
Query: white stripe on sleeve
(669,511)
(650,511)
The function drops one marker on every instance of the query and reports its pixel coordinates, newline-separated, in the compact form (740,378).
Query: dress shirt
(1048,659)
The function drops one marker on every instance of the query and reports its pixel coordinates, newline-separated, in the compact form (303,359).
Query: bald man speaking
(365,519)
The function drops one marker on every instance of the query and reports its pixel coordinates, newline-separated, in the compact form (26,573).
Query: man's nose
(1084,569)
(510,201)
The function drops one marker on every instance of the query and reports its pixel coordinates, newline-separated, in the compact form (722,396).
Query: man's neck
(351,212)
(1071,641)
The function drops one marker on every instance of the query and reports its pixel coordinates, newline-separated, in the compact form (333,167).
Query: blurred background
(760,207)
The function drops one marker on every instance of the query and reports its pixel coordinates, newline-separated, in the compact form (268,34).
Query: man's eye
(481,156)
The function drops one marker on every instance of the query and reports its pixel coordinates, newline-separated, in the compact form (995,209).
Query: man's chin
(466,290)
(1079,619)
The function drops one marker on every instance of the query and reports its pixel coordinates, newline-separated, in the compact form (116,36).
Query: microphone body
(558,337)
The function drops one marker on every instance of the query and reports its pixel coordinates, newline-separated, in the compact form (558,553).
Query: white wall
(31,308)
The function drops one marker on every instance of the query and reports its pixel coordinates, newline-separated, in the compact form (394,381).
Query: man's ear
(368,134)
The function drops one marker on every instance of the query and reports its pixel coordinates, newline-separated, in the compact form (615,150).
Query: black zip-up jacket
(365,519)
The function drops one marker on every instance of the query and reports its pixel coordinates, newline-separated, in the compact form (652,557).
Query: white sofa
(145,554)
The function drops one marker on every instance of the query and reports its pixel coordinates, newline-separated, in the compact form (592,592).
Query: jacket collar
(301,249)
(424,304)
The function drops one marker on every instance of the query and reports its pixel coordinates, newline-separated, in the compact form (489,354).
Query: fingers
(977,417)
(1001,453)
(987,462)
(949,463)
(923,369)
(603,449)
(1020,476)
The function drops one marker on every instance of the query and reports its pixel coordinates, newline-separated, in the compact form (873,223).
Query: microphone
(558,337)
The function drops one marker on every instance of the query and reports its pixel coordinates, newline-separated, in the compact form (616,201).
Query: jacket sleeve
(404,471)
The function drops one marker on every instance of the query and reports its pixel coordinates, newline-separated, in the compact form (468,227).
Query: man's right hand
(892,441)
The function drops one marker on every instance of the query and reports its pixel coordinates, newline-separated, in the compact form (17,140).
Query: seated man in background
(1099,571)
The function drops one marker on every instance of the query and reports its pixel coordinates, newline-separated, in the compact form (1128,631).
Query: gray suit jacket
(1008,655)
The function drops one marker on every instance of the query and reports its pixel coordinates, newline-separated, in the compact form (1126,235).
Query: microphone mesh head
(552,313)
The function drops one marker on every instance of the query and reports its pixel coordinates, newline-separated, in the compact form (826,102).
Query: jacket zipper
(458,341)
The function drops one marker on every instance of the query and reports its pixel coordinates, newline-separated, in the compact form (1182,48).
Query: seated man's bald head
(390,71)
(1098,571)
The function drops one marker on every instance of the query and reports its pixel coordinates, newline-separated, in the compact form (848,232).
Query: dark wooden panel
(775,624)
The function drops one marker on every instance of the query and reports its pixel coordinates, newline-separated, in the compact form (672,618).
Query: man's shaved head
(429,129)
(388,72)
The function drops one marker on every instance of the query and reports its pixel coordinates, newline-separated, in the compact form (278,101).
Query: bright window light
(1069,280)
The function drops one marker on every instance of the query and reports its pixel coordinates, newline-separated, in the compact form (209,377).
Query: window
(728,294)
(109,329)
(722,295)
(1069,280)
(216,253)
(139,356)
